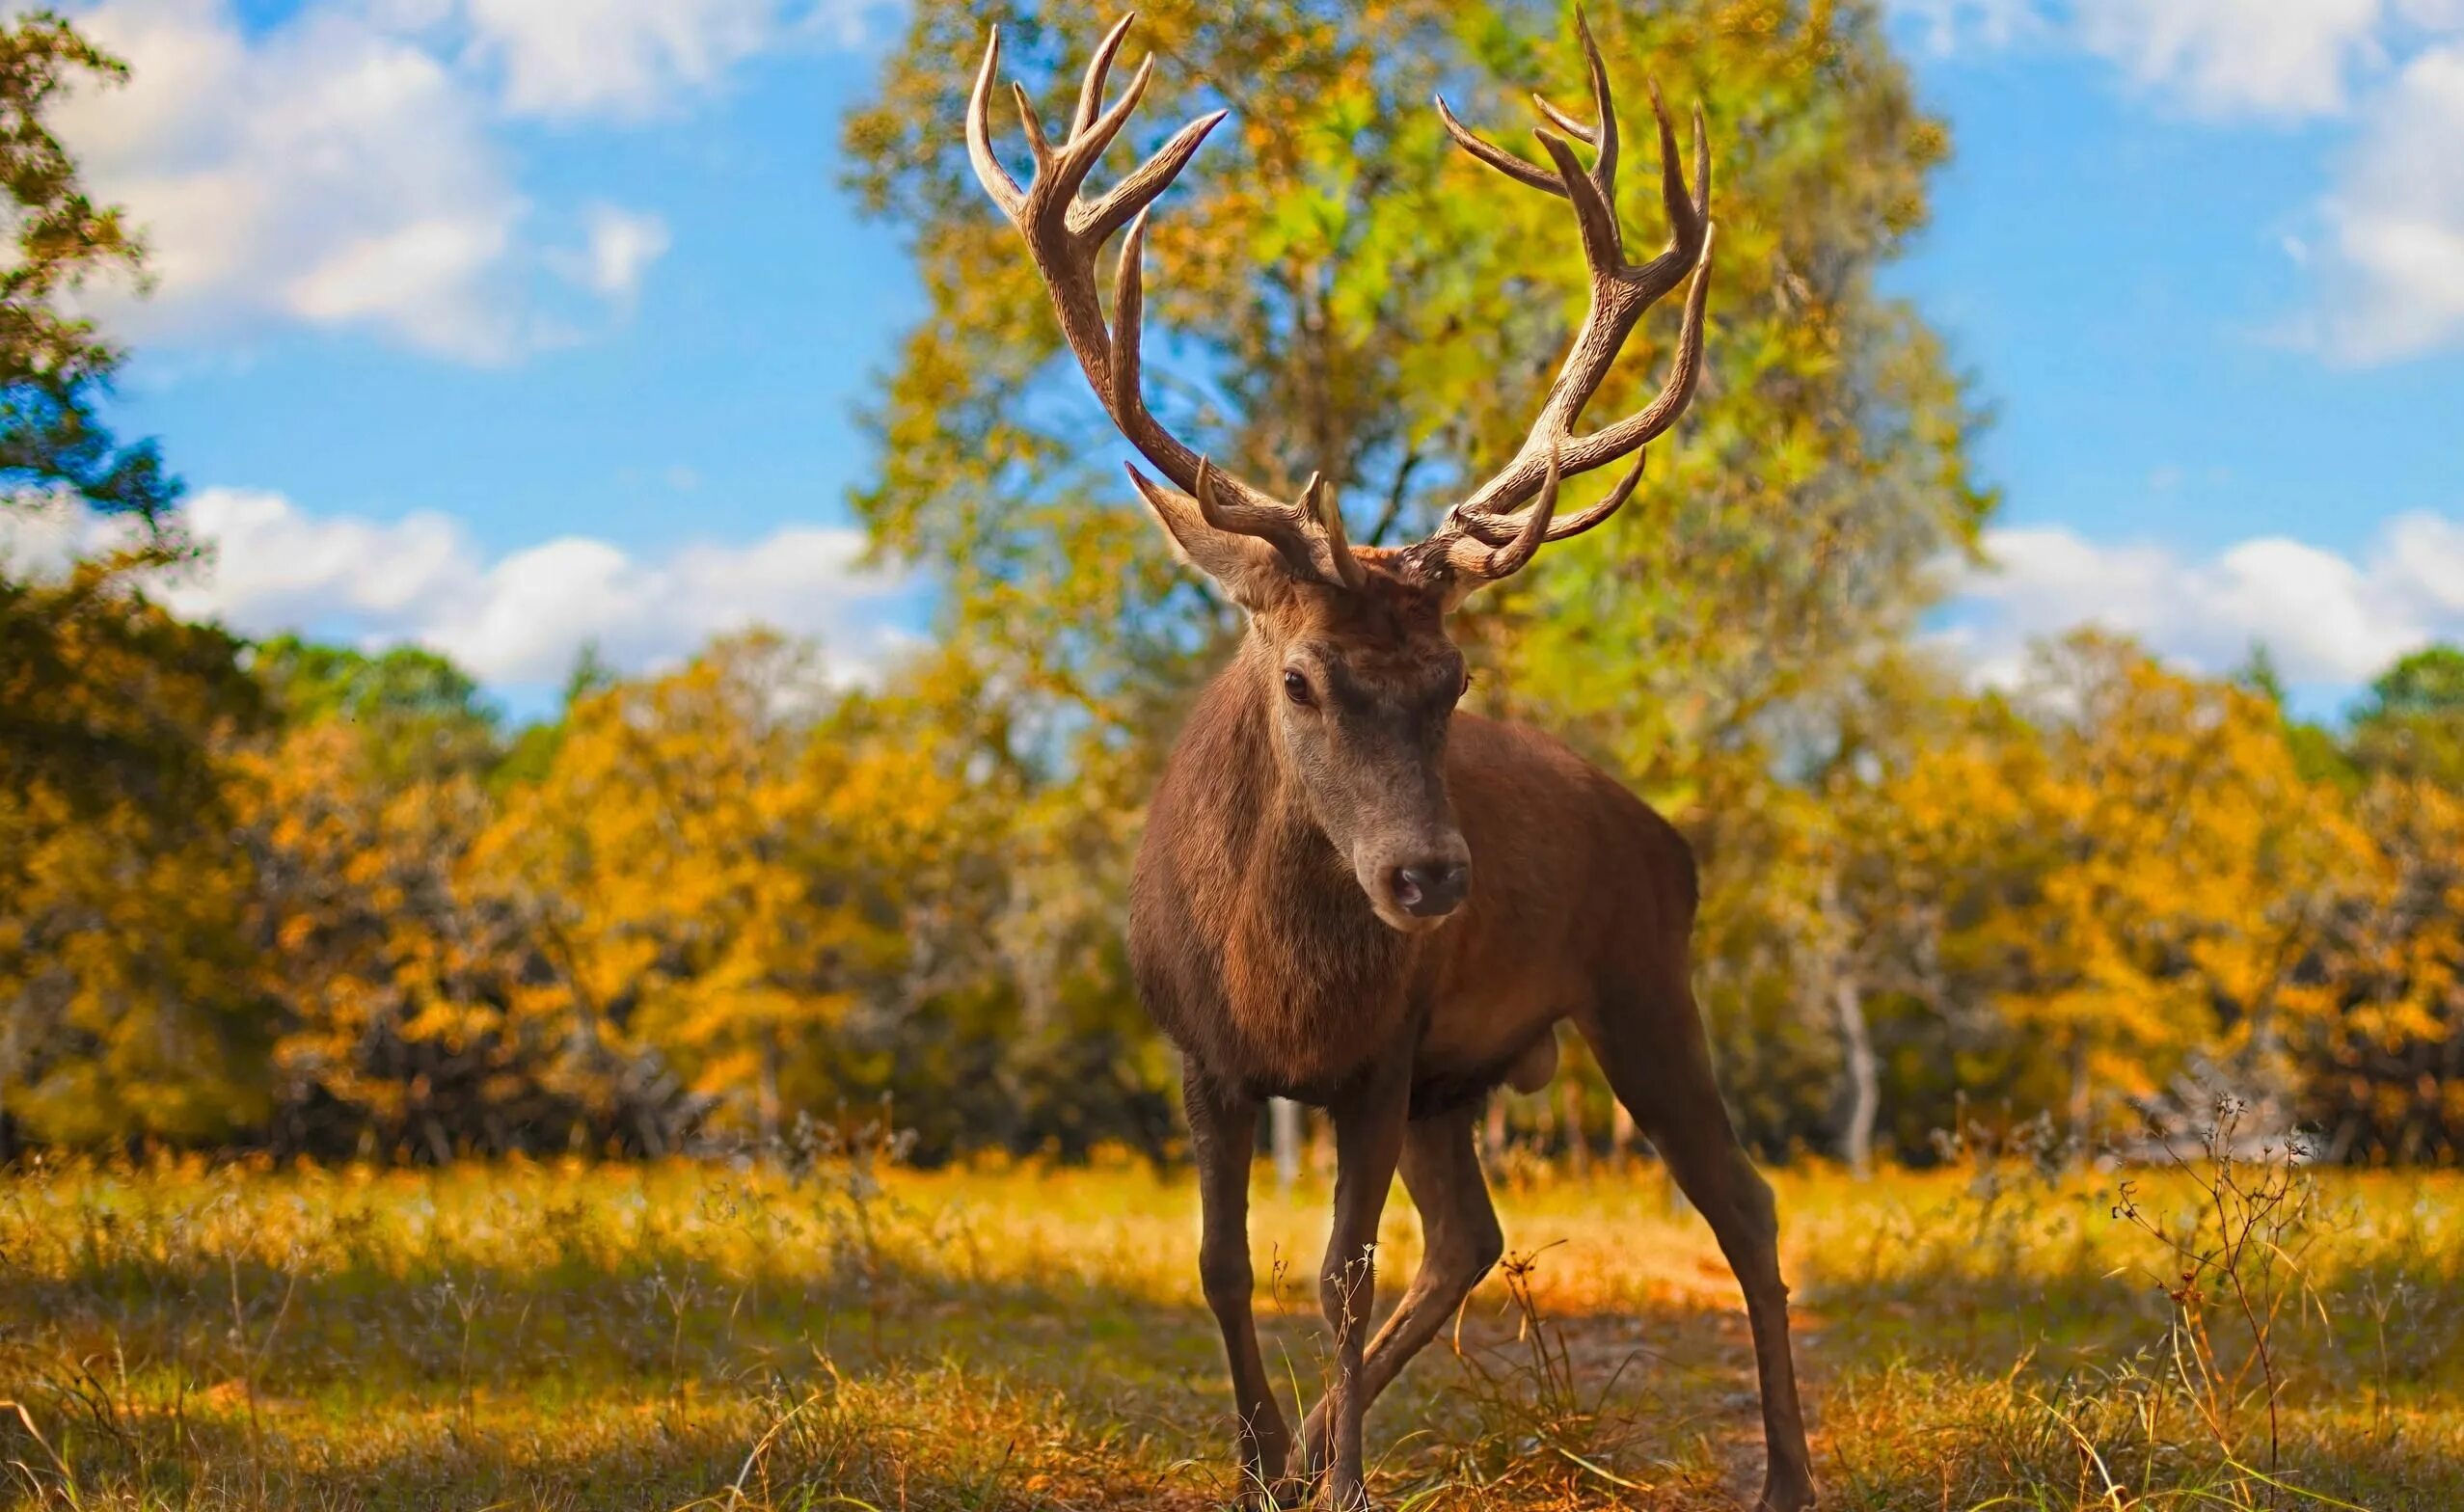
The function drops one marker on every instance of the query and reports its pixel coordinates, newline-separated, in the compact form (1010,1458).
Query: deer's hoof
(1285,1494)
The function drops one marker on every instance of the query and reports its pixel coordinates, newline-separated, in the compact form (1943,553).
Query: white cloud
(2389,270)
(622,246)
(2280,58)
(2396,281)
(2328,619)
(568,58)
(1944,26)
(344,167)
(2226,57)
(517,620)
(326,173)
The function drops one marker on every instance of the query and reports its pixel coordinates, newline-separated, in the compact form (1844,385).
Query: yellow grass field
(572,1336)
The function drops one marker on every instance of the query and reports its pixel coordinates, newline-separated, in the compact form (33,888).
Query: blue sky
(506,325)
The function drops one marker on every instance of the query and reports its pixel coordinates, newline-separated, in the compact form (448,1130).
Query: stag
(1349,892)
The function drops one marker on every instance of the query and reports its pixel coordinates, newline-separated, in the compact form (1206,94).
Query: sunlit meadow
(842,1333)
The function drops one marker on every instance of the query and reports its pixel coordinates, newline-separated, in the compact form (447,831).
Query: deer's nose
(1431,889)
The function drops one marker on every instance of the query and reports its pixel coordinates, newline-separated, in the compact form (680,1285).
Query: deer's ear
(1245,567)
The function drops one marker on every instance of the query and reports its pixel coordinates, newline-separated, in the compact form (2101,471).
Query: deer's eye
(1296,689)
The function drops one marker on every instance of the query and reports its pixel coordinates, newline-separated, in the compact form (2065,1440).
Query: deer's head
(1351,644)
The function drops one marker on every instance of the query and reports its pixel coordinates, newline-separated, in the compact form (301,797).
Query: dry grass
(586,1336)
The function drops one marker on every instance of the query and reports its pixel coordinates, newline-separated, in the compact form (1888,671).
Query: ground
(618,1336)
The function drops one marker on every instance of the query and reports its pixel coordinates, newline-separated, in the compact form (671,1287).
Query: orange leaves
(2155,861)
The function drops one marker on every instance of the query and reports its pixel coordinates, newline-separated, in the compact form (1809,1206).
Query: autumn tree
(126,993)
(417,997)
(690,873)
(1334,288)
(2383,1045)
(128,1006)
(2140,870)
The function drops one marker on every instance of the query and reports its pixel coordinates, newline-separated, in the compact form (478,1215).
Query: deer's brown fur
(1257,951)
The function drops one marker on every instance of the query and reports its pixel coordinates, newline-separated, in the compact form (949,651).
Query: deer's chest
(1281,994)
(1307,1010)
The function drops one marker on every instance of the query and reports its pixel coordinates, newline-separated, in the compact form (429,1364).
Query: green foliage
(2412,725)
(1335,288)
(417,714)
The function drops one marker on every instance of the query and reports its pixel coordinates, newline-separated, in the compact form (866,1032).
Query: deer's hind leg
(1649,1039)
(1460,1242)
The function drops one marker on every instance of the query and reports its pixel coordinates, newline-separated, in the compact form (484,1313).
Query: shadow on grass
(659,1387)
(1954,1358)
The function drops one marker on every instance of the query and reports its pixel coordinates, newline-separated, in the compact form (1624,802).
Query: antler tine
(1319,502)
(1604,166)
(989,172)
(1602,136)
(1595,208)
(1091,92)
(1499,529)
(1143,183)
(1041,149)
(1064,237)
(1471,560)
(1529,174)
(1310,547)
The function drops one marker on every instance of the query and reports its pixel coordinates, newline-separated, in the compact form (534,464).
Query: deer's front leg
(1223,1135)
(1369,1138)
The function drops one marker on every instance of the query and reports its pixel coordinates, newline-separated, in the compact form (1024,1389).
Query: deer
(1348,891)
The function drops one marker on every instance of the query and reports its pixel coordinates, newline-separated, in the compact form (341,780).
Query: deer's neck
(1313,984)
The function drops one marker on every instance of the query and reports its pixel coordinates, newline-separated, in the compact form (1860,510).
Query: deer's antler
(1063,235)
(1490,534)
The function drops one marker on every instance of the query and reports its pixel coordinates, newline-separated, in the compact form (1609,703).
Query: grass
(589,1336)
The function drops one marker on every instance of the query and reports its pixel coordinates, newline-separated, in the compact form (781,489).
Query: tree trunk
(1283,1123)
(2080,1095)
(765,1097)
(1865,1077)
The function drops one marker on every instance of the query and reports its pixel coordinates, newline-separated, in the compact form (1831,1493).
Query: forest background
(328,901)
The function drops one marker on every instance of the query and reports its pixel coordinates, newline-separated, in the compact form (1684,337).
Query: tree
(54,371)
(2383,1045)
(2139,870)
(691,873)
(55,368)
(124,998)
(2382,1032)
(127,1001)
(418,994)
(2412,723)
(416,712)
(1334,288)
(1354,297)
